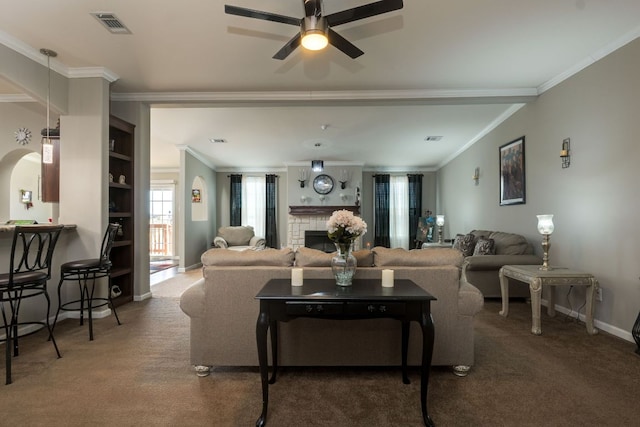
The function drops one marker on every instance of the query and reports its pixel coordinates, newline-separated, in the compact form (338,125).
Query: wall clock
(23,136)
(323,184)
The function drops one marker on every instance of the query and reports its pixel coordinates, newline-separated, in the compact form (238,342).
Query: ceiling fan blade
(364,11)
(344,45)
(288,48)
(257,14)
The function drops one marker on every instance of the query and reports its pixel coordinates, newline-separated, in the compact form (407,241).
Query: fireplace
(318,239)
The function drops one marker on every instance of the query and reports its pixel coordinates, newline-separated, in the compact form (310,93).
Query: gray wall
(594,201)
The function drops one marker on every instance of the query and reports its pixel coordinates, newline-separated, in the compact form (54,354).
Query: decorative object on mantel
(343,228)
(545,227)
(23,136)
(303,176)
(47,146)
(440,224)
(565,153)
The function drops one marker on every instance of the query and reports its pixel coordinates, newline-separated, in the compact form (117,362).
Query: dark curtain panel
(415,204)
(236,199)
(381,210)
(271,236)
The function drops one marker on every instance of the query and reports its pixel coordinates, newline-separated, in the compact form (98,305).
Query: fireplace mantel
(321,210)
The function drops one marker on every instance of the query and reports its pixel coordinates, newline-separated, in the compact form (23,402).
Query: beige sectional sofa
(223,310)
(482,270)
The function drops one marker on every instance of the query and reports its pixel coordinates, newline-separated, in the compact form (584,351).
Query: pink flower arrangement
(344,227)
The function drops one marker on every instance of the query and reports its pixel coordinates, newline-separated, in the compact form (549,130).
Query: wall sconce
(476,175)
(317,165)
(565,154)
(545,227)
(344,177)
(302,177)
(440,224)
(344,197)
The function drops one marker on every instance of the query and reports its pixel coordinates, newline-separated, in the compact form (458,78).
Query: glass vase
(343,264)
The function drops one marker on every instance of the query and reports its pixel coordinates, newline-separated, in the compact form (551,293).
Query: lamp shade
(440,220)
(545,224)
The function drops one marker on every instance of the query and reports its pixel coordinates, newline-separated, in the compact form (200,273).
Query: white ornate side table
(536,279)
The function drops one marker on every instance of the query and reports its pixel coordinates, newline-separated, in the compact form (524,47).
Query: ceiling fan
(315,29)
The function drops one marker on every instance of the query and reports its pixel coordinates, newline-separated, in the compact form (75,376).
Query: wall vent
(111,22)
(218,140)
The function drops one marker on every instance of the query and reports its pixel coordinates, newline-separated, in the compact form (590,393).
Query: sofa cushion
(266,257)
(484,247)
(307,257)
(236,235)
(415,257)
(465,244)
(510,244)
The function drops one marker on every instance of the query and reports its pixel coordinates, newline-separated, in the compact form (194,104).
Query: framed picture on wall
(512,173)
(195,195)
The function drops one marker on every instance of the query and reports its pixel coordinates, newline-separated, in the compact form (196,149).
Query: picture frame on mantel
(512,173)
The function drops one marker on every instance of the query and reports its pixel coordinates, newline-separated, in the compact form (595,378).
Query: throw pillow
(465,244)
(484,247)
(308,257)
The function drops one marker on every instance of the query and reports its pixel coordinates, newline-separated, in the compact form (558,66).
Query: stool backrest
(108,239)
(32,248)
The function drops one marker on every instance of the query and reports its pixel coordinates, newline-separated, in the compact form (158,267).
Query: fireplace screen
(318,239)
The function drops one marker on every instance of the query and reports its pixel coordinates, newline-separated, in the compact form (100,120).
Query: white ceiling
(446,68)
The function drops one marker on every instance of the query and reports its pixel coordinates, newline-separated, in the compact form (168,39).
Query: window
(161,220)
(254,203)
(399,212)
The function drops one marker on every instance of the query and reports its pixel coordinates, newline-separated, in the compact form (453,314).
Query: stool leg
(7,331)
(113,307)
(55,320)
(49,328)
(90,302)
(82,288)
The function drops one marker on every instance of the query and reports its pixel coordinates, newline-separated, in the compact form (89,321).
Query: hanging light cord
(48,53)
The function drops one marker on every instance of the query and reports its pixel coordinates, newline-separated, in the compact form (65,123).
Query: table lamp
(545,227)
(439,223)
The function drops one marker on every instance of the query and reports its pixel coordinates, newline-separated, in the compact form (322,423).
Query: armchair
(238,238)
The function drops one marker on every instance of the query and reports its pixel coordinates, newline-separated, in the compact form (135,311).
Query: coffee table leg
(405,346)
(504,293)
(591,293)
(261,338)
(427,353)
(535,287)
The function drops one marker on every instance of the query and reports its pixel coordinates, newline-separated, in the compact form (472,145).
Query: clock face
(23,136)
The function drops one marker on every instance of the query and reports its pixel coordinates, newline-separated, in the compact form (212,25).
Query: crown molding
(486,95)
(16,97)
(84,72)
(197,155)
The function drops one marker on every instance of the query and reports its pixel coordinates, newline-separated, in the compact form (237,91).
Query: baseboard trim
(613,330)
(142,297)
(191,267)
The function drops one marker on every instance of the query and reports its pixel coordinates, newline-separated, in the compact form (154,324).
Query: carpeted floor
(138,374)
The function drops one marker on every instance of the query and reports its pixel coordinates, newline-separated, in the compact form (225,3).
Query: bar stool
(29,271)
(86,271)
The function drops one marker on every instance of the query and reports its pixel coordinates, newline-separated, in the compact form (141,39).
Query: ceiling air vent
(111,22)
(218,140)
(432,138)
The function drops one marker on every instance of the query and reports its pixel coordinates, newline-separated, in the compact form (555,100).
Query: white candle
(387,278)
(296,277)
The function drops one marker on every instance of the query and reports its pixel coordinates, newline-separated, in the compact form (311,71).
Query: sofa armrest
(192,299)
(470,299)
(257,242)
(494,262)
(219,242)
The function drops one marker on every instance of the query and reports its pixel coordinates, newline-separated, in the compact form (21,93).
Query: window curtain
(381,210)
(399,212)
(271,234)
(253,203)
(236,199)
(415,204)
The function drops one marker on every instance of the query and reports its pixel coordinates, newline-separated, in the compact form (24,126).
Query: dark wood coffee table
(366,299)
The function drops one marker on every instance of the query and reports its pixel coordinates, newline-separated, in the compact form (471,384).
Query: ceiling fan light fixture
(314,33)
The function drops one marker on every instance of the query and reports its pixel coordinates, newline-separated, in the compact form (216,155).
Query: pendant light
(47,146)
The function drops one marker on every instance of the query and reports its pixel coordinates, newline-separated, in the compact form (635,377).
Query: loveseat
(238,238)
(485,252)
(223,310)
